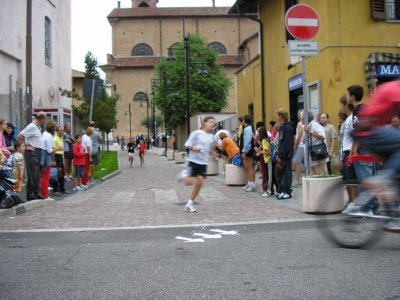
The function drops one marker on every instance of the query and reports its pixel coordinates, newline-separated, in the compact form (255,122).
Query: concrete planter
(170,155)
(161,151)
(213,167)
(180,157)
(315,198)
(235,175)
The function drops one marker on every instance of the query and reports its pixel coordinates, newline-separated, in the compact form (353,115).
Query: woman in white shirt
(87,147)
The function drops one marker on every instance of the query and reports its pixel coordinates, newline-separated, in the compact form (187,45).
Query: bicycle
(356,230)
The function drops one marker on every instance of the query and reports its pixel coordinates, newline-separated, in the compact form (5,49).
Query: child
(142,150)
(18,165)
(79,162)
(131,150)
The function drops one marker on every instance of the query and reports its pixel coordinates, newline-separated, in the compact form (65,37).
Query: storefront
(387,72)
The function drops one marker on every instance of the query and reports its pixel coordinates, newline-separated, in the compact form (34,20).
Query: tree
(150,122)
(207,93)
(91,65)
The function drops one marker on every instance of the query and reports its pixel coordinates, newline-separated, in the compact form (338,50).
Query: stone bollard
(161,151)
(180,157)
(235,175)
(170,155)
(213,167)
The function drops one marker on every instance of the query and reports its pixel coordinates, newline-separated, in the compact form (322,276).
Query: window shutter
(378,9)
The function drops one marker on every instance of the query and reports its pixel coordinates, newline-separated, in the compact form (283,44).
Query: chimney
(213,1)
(119,4)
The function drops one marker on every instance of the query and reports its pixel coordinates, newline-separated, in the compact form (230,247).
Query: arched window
(143,4)
(139,96)
(175,45)
(218,47)
(142,50)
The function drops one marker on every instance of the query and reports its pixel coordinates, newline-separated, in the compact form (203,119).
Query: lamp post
(130,120)
(203,71)
(145,98)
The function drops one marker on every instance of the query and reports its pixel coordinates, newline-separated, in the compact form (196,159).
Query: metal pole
(28,95)
(305,114)
(91,101)
(11,114)
(165,110)
(187,57)
(148,125)
(130,121)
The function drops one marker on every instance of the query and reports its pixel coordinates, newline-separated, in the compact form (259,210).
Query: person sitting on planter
(316,134)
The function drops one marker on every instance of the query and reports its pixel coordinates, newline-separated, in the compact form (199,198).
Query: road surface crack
(70,259)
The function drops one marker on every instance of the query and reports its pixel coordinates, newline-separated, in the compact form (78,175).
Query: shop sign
(388,70)
(296,82)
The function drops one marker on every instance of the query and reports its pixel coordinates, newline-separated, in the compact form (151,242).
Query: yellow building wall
(347,36)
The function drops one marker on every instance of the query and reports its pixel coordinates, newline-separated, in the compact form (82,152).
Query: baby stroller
(8,196)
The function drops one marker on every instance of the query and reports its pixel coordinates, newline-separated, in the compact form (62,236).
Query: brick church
(141,35)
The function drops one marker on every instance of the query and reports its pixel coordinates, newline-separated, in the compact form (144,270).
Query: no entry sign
(302,22)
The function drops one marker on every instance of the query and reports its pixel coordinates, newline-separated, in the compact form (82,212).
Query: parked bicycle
(357,229)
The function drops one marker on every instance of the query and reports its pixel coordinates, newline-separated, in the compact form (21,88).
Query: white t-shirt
(347,138)
(86,142)
(33,136)
(216,137)
(202,140)
(47,142)
(318,129)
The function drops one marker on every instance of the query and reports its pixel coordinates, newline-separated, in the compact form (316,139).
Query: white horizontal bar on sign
(302,22)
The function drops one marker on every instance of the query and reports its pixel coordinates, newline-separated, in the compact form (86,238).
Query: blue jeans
(285,179)
(363,171)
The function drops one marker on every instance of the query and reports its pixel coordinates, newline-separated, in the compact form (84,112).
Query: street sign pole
(91,101)
(305,114)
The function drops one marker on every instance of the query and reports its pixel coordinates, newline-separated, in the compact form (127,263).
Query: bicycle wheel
(350,231)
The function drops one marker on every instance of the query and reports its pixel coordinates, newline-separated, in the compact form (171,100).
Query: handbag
(237,160)
(318,152)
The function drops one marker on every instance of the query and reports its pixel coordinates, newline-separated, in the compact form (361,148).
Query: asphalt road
(271,261)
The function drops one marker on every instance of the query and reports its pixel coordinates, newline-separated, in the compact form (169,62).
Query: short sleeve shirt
(202,140)
(330,134)
(86,142)
(18,159)
(33,136)
(57,142)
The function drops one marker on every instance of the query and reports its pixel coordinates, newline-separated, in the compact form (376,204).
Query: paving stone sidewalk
(151,196)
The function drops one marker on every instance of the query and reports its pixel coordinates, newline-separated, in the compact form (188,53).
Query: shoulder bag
(317,152)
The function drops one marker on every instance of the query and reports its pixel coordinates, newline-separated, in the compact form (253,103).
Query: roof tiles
(141,12)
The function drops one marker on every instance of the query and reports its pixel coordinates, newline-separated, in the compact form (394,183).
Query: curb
(34,204)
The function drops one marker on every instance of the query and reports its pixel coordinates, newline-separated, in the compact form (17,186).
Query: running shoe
(190,208)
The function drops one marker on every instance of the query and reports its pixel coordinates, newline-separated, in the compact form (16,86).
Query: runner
(131,150)
(200,145)
(142,151)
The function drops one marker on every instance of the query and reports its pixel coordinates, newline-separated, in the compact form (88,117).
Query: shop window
(47,41)
(139,96)
(218,47)
(142,50)
(393,10)
(288,5)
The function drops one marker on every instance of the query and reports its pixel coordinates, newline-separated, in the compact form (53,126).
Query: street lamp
(130,120)
(145,98)
(203,72)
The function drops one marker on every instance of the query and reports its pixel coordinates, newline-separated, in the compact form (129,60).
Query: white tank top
(301,144)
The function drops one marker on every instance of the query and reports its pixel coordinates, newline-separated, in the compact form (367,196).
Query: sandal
(56,193)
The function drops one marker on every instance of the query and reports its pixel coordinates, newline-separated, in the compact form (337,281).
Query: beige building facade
(141,35)
(51,58)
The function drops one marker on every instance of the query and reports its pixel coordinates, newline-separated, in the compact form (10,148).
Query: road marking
(224,232)
(189,240)
(207,236)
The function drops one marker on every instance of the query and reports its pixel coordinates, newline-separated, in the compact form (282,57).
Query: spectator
(284,155)
(3,145)
(395,123)
(316,136)
(32,137)
(58,142)
(330,138)
(298,150)
(228,145)
(18,166)
(246,150)
(263,150)
(240,130)
(218,143)
(79,163)
(87,147)
(68,146)
(272,132)
(9,137)
(96,142)
(342,116)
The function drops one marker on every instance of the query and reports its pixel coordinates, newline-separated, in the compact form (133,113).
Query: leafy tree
(91,65)
(207,93)
(150,122)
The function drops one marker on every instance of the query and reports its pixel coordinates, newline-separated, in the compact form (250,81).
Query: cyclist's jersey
(384,104)
(131,147)
(142,148)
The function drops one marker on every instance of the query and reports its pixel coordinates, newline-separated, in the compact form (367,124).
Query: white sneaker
(267,194)
(77,188)
(190,208)
(48,198)
(251,189)
(84,187)
(245,187)
(182,174)
(351,208)
(362,213)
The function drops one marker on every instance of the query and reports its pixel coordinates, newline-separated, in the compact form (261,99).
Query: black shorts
(68,155)
(195,170)
(95,159)
(348,171)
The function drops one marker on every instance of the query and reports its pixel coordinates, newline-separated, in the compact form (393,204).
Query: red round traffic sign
(302,22)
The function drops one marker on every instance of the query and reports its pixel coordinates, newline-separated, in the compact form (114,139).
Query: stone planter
(170,155)
(315,195)
(235,175)
(180,157)
(213,167)
(161,151)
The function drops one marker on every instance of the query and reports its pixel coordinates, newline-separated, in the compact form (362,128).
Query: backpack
(274,151)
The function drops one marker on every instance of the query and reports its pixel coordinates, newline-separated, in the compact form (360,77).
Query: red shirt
(79,155)
(142,148)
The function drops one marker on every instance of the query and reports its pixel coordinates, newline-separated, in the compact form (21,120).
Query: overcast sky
(91,30)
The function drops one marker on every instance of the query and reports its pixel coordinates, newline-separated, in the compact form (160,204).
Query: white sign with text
(303,48)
